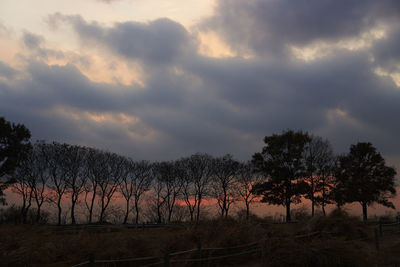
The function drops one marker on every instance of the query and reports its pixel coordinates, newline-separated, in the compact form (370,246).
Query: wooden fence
(201,255)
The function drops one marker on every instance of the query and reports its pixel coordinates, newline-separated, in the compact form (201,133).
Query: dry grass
(39,245)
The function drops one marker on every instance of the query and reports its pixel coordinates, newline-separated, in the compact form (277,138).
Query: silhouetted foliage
(363,177)
(283,164)
(292,165)
(14,143)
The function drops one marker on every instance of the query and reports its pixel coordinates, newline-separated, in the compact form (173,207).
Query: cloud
(267,27)
(161,41)
(6,71)
(190,102)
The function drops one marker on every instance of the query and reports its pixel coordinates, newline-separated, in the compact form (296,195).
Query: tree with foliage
(282,163)
(14,143)
(364,177)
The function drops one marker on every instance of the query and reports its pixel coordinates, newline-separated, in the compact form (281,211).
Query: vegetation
(291,166)
(363,177)
(14,142)
(282,163)
(44,245)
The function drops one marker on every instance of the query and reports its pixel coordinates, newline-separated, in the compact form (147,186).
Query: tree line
(292,165)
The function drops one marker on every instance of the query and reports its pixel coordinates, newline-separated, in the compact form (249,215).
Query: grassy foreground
(40,245)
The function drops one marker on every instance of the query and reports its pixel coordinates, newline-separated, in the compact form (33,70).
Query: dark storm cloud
(386,51)
(161,41)
(192,103)
(267,26)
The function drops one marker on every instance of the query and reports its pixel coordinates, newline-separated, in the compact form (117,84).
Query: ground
(335,241)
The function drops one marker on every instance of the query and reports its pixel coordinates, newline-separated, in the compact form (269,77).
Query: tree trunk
(323,202)
(59,210)
(159,214)
(288,218)
(312,208)
(92,205)
(126,212)
(191,211)
(73,221)
(137,211)
(198,210)
(364,209)
(247,211)
(323,208)
(312,198)
(38,212)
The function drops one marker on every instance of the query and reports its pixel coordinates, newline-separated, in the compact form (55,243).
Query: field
(337,240)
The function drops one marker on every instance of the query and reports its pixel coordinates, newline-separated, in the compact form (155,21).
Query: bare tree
(224,183)
(247,178)
(22,185)
(198,170)
(158,190)
(142,175)
(134,184)
(188,187)
(319,158)
(55,156)
(127,185)
(74,161)
(96,162)
(40,176)
(110,180)
(171,178)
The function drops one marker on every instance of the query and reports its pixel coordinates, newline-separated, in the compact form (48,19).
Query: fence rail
(249,248)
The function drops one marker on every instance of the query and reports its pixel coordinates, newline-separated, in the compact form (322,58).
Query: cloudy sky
(158,79)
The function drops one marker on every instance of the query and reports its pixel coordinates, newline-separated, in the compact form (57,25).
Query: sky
(162,79)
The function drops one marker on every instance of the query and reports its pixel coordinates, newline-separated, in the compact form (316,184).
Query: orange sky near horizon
(258,208)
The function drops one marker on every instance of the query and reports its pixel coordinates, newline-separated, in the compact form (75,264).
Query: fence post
(166,260)
(376,238)
(91,260)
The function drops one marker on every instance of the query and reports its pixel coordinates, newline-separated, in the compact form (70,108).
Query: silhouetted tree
(282,163)
(22,185)
(224,182)
(142,175)
(158,190)
(198,171)
(135,184)
(110,180)
(365,178)
(39,176)
(76,175)
(96,163)
(319,157)
(171,177)
(247,178)
(14,143)
(55,155)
